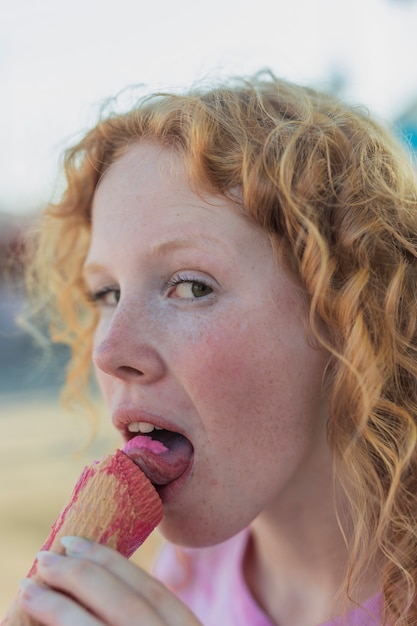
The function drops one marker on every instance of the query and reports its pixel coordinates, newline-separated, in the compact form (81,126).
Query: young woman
(239,262)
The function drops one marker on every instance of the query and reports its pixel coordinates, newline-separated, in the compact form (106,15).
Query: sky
(60,60)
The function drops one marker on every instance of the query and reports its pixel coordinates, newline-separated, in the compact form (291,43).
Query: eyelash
(98,297)
(181,279)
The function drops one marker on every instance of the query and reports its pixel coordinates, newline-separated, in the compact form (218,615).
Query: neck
(296,561)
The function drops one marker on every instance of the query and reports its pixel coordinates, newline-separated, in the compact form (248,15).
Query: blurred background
(58,62)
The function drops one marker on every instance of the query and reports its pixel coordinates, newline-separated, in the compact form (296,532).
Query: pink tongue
(161,462)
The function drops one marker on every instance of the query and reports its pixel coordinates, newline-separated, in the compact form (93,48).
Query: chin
(195,533)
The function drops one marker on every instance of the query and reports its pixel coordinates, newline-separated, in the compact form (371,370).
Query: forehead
(148,157)
(144,207)
(149,182)
(139,158)
(145,169)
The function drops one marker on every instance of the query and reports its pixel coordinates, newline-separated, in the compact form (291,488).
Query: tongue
(161,460)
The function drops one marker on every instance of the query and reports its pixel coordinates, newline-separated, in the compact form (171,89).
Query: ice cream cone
(113,503)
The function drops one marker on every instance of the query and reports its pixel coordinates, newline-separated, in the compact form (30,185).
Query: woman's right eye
(108,296)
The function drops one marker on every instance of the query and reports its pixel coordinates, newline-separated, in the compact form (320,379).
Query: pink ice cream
(163,460)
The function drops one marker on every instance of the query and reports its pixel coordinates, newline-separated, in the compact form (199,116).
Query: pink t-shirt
(210,582)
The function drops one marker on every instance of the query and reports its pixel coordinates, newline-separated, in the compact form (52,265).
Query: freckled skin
(232,369)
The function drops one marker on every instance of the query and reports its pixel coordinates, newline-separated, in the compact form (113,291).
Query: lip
(123,416)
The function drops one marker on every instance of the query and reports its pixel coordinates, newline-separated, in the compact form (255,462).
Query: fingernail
(75,545)
(30,590)
(47,558)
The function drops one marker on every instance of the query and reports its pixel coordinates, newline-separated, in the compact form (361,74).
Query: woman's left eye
(106,297)
(188,288)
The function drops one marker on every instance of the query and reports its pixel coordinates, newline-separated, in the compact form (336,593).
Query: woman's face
(201,332)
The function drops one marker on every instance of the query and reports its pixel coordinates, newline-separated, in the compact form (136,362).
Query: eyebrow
(180,243)
(160,249)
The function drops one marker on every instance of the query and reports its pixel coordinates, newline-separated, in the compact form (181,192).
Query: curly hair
(339,197)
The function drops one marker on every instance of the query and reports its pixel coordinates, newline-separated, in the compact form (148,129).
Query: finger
(171,610)
(97,590)
(51,608)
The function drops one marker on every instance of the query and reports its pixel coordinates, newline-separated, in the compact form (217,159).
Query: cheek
(107,383)
(255,382)
(229,372)
(214,360)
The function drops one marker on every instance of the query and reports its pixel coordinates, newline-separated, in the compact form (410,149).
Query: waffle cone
(113,503)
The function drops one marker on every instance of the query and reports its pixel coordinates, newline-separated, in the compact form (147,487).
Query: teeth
(141,427)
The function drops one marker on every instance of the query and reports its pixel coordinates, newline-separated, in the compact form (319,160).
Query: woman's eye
(109,296)
(187,289)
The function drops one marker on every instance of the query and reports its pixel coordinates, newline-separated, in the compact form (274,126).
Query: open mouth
(163,455)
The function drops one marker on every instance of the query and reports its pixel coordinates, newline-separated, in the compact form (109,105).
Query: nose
(125,347)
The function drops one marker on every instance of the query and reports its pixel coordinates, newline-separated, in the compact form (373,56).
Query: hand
(95,586)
